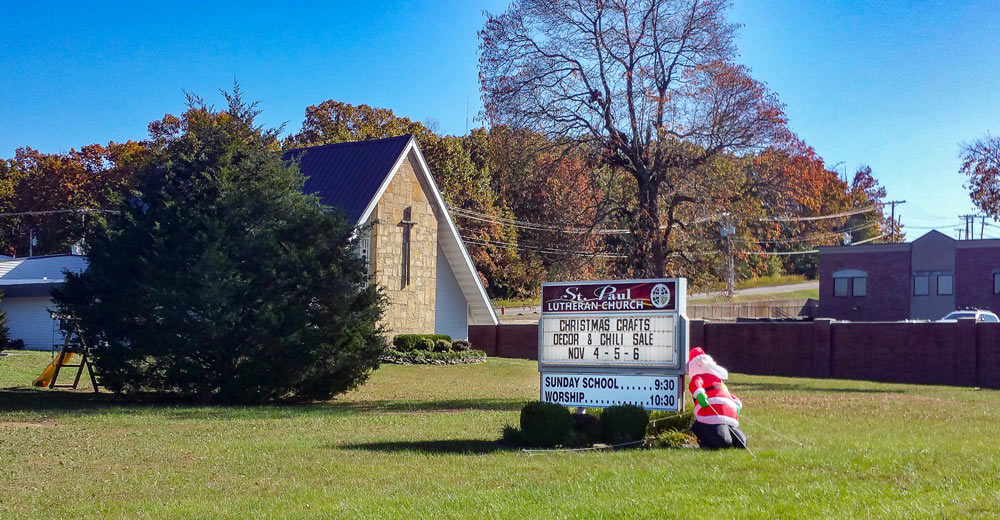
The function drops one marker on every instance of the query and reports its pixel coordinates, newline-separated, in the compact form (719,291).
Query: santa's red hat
(695,352)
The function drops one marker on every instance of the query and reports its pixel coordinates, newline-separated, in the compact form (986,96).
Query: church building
(414,249)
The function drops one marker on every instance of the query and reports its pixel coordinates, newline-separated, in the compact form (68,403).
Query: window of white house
(840,286)
(859,286)
(944,284)
(920,285)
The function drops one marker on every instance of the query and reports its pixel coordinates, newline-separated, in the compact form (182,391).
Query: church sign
(613,342)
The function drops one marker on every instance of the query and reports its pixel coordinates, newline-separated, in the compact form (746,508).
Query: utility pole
(970,226)
(31,242)
(727,233)
(982,226)
(892,219)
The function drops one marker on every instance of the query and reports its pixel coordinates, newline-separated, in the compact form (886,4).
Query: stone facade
(411,306)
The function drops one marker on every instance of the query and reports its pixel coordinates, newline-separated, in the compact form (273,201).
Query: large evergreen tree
(220,279)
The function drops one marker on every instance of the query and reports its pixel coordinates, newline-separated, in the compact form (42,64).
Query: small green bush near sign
(550,425)
(623,423)
(661,421)
(545,424)
(674,439)
(442,345)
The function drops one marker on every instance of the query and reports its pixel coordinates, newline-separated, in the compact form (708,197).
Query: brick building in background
(921,280)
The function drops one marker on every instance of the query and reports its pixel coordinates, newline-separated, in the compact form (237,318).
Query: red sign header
(639,295)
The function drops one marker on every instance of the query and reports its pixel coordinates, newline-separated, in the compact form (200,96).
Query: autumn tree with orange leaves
(53,195)
(650,89)
(981,164)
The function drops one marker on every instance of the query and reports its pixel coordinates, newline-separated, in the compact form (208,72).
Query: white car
(983,316)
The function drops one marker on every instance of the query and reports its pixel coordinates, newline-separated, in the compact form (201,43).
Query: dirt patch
(27,424)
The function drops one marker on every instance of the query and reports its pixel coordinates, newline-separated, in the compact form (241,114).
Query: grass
(771,281)
(533,301)
(418,442)
(744,298)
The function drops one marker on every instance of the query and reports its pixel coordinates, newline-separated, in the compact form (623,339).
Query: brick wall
(974,268)
(411,307)
(509,341)
(964,353)
(888,281)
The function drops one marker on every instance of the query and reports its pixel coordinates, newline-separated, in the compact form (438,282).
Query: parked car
(984,316)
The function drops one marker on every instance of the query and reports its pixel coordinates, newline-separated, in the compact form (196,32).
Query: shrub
(661,421)
(5,341)
(426,345)
(589,426)
(408,342)
(545,424)
(623,423)
(460,345)
(219,279)
(674,439)
(423,357)
(442,345)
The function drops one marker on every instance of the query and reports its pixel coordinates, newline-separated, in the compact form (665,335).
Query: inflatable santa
(716,411)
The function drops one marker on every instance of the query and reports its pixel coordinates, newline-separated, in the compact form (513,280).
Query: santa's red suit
(716,411)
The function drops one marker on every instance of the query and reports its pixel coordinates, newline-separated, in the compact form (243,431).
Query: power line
(534,226)
(817,236)
(822,217)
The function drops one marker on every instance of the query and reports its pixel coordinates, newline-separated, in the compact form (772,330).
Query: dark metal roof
(348,175)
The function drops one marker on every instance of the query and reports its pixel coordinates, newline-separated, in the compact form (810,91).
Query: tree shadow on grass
(445,447)
(19,399)
(786,387)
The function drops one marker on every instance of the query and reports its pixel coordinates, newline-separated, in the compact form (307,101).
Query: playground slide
(46,377)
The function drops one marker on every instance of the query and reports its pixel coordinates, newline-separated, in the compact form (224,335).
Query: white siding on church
(452,312)
(28,319)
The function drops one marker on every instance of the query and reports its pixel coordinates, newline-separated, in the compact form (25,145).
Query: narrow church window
(407,224)
(364,248)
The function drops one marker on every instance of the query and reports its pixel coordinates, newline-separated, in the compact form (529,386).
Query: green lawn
(745,298)
(417,442)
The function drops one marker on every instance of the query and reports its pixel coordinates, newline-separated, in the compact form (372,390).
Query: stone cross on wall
(407,224)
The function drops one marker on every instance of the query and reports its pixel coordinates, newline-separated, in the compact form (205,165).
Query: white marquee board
(648,341)
(613,342)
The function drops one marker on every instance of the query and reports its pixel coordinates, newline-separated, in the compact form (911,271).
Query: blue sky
(893,84)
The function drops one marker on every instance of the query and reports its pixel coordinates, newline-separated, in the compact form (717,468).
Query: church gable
(386,188)
(404,238)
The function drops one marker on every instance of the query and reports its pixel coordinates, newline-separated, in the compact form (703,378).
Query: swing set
(50,376)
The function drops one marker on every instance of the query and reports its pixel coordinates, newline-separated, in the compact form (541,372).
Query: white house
(26,284)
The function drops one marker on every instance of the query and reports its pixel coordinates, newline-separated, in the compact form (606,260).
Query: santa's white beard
(706,366)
